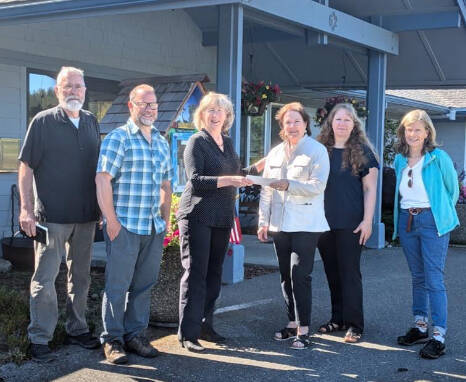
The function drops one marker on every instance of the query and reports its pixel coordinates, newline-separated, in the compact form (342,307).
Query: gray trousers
(133,263)
(75,241)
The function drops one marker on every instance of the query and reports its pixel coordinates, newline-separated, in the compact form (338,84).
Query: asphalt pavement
(249,312)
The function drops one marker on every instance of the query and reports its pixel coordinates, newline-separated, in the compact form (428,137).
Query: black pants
(203,250)
(341,253)
(295,252)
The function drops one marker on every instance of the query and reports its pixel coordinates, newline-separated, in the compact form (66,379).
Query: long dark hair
(353,155)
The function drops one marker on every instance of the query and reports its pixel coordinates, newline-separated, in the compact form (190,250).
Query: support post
(375,131)
(229,61)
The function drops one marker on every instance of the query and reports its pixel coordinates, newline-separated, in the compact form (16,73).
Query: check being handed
(260,180)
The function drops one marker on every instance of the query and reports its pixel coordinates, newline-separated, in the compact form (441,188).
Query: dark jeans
(341,253)
(203,250)
(295,252)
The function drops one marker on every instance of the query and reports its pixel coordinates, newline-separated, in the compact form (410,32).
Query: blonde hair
(292,106)
(219,100)
(430,142)
(353,155)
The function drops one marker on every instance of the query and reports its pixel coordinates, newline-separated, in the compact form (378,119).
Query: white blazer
(301,207)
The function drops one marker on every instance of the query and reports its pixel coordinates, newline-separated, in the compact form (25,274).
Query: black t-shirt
(344,197)
(205,162)
(64,160)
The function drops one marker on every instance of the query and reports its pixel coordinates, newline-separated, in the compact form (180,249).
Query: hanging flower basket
(323,112)
(255,97)
(253,110)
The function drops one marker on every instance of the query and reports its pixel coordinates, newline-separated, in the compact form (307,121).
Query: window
(9,152)
(100,93)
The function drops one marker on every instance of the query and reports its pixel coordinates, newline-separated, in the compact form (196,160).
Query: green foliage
(40,100)
(389,141)
(172,238)
(14,320)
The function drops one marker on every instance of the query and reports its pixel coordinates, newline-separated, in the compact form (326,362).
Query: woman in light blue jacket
(426,193)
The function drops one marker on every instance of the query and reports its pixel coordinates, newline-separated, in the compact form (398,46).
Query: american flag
(235,236)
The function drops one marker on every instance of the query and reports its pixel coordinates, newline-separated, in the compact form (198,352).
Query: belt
(413,212)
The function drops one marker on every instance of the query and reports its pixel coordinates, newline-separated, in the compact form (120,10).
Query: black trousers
(295,252)
(203,250)
(341,253)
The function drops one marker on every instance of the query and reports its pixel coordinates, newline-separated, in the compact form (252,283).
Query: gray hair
(65,70)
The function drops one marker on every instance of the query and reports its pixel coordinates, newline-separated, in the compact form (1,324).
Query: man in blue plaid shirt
(134,175)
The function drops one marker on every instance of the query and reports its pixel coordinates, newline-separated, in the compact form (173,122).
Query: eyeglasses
(71,87)
(410,180)
(143,105)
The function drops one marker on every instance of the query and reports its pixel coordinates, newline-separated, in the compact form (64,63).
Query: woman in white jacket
(292,211)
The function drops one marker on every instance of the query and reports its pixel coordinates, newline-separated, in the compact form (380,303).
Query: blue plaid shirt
(138,170)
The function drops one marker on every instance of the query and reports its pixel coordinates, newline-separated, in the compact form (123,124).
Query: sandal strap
(331,327)
(303,339)
(287,333)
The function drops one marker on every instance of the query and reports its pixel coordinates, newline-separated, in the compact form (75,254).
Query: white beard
(72,105)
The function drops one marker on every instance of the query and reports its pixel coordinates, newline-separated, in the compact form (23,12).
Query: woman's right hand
(262,233)
(235,181)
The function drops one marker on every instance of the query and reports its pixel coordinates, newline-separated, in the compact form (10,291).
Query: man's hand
(113,228)
(27,222)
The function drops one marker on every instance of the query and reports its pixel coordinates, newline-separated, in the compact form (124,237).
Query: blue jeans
(425,253)
(133,263)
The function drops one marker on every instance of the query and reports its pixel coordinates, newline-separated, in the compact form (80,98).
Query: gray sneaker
(41,353)
(141,346)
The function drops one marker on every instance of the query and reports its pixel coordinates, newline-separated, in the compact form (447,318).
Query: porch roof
(303,45)
(172,93)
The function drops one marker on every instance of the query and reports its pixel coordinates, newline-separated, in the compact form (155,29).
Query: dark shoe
(413,336)
(285,334)
(41,353)
(209,334)
(331,327)
(114,352)
(193,346)
(301,342)
(141,346)
(352,335)
(432,349)
(85,340)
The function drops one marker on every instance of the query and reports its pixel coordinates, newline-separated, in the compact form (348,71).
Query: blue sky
(40,81)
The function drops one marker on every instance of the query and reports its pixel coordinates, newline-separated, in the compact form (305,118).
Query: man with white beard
(57,189)
(133,180)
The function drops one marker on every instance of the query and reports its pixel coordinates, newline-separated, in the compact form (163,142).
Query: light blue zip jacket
(441,183)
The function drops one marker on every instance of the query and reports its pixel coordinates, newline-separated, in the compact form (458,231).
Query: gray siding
(451,136)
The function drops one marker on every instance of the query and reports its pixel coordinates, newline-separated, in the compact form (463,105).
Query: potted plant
(256,96)
(165,293)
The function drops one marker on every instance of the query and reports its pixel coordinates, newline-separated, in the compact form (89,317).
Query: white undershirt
(75,121)
(415,196)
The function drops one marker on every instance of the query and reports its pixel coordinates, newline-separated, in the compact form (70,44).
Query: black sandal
(285,334)
(331,327)
(301,339)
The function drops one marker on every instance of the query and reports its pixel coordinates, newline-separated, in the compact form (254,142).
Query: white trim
(248,140)
(464,150)
(267,128)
